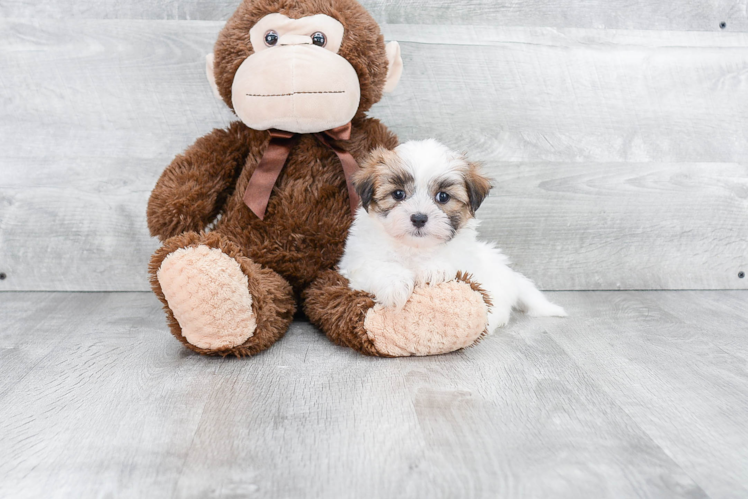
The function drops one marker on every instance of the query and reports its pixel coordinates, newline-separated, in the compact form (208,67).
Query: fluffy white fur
(387,256)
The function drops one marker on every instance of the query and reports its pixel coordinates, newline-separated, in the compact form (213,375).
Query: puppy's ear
(365,189)
(478,186)
(365,179)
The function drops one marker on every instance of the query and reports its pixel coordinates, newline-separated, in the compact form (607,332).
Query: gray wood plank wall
(619,154)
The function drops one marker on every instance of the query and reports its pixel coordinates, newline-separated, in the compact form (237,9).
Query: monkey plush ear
(211,75)
(394,66)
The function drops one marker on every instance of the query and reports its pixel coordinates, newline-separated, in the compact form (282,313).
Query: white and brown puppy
(417,227)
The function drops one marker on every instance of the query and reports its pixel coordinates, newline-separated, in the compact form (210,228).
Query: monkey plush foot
(209,296)
(218,301)
(435,320)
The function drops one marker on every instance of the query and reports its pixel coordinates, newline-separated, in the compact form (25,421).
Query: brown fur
(381,174)
(477,186)
(304,231)
(465,197)
(458,207)
(340,312)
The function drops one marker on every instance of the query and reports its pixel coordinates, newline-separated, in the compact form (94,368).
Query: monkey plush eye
(442,197)
(399,195)
(271,38)
(319,39)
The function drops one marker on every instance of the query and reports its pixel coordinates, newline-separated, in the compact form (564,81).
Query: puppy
(416,226)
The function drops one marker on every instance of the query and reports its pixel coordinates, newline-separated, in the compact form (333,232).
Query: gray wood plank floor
(637,394)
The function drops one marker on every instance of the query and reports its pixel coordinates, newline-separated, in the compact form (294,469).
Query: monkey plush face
(305,67)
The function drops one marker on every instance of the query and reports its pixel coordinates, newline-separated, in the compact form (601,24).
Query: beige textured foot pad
(209,296)
(435,320)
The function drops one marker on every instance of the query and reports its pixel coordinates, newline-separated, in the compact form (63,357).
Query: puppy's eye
(442,197)
(271,38)
(399,195)
(319,39)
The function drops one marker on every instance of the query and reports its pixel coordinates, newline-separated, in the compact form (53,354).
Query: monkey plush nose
(419,220)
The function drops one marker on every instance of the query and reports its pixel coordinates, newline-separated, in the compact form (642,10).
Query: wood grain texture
(629,397)
(634,143)
(610,226)
(530,94)
(113,377)
(25,318)
(105,89)
(137,89)
(682,361)
(76,224)
(618,14)
(566,225)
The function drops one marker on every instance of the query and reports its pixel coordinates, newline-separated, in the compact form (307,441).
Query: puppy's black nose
(419,220)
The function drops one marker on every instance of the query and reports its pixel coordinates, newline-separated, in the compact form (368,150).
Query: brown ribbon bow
(266,174)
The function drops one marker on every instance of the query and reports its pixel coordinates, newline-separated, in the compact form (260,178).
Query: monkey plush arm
(192,190)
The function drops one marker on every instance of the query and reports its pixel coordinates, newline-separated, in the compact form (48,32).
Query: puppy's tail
(533,302)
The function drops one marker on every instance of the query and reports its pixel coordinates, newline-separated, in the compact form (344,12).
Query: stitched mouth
(297,93)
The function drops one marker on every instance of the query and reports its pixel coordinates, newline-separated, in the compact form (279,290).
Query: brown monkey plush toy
(254,218)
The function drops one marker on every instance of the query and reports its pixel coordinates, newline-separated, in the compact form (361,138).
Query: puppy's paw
(435,273)
(499,316)
(395,293)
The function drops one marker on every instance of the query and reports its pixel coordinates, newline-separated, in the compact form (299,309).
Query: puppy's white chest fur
(429,265)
